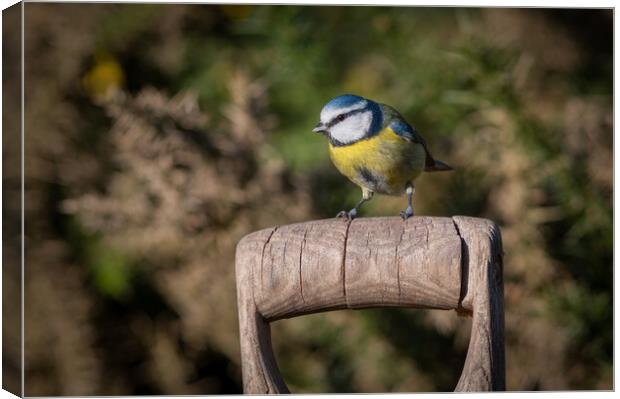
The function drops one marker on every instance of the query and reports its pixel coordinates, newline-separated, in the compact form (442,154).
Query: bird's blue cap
(343,101)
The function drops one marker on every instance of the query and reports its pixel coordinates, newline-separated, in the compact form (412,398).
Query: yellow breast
(383,163)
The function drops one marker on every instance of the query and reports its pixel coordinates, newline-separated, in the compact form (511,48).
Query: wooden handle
(438,263)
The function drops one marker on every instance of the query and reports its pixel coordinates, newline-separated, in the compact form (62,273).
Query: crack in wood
(301,252)
(398,261)
(464,270)
(344,259)
(262,257)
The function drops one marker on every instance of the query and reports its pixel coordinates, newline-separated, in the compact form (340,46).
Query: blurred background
(158,135)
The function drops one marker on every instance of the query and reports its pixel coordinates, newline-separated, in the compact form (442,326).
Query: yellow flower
(105,78)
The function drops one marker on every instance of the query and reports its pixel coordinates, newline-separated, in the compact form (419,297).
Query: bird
(373,146)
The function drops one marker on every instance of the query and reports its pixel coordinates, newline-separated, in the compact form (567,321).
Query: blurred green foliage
(519,101)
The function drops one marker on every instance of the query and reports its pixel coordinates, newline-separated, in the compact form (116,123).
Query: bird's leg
(409,211)
(352,214)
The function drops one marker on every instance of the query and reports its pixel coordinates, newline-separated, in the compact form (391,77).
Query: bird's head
(349,118)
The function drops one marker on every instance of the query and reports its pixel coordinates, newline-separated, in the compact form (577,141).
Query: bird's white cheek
(353,128)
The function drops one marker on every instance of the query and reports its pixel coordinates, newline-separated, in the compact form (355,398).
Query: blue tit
(372,145)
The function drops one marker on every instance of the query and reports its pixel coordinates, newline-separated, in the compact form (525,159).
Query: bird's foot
(407,213)
(352,214)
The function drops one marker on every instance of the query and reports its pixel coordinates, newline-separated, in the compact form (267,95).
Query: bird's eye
(340,117)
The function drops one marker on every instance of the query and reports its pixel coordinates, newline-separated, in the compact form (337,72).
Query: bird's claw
(352,214)
(407,213)
(342,214)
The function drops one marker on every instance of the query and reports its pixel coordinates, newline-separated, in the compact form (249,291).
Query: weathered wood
(426,262)
(258,367)
(483,293)
(387,263)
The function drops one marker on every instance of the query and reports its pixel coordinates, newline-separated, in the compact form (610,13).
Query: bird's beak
(320,128)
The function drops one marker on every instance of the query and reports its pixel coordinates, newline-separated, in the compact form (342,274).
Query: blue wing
(405,130)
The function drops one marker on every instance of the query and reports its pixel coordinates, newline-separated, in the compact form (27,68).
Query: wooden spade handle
(424,262)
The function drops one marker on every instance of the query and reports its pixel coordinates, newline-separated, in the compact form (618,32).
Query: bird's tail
(437,166)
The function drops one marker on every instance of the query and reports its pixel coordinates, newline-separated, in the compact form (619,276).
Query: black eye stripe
(339,118)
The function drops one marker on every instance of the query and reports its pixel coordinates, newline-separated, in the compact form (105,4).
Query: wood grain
(258,367)
(483,294)
(424,262)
